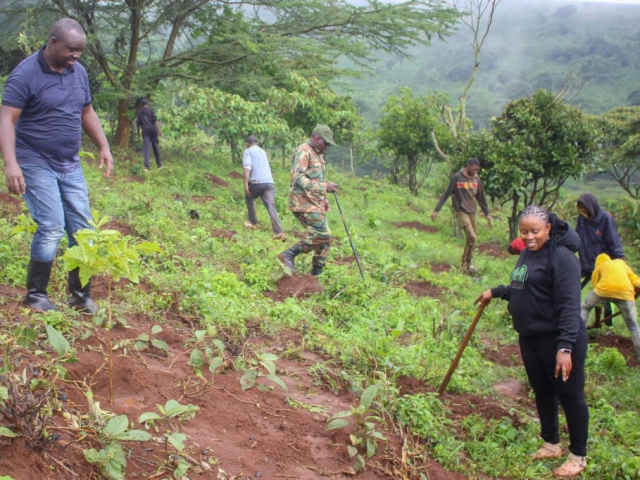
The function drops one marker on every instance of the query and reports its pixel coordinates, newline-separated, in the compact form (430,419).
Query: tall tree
(620,147)
(404,131)
(533,148)
(235,43)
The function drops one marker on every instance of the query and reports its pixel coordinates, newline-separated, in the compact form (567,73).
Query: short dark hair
(144,102)
(252,140)
(65,25)
(473,161)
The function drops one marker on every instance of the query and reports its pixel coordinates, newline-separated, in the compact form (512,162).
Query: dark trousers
(149,142)
(266,192)
(608,310)
(539,357)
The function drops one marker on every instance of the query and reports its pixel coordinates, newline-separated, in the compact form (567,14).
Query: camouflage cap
(325,132)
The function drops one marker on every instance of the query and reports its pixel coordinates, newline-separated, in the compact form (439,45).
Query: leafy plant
(263,365)
(366,437)
(204,350)
(161,422)
(106,252)
(144,340)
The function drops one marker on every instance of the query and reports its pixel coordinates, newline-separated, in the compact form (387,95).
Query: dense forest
(533,44)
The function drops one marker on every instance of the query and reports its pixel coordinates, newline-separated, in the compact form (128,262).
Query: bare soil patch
(236,175)
(507,355)
(121,227)
(226,234)
(418,226)
(203,198)
(623,344)
(215,180)
(440,267)
(345,261)
(510,388)
(296,287)
(10,205)
(423,289)
(136,179)
(493,250)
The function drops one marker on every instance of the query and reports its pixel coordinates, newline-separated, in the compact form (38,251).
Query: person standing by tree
(45,105)
(467,191)
(544,303)
(258,182)
(149,126)
(598,234)
(308,199)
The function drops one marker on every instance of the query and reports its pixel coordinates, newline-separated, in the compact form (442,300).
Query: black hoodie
(544,294)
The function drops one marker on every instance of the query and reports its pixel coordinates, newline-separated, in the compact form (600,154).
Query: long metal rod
(353,248)
(463,345)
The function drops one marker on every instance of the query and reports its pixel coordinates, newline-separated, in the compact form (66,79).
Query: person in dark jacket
(149,126)
(598,234)
(544,303)
(466,189)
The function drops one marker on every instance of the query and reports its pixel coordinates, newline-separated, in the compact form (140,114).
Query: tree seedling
(366,436)
(261,361)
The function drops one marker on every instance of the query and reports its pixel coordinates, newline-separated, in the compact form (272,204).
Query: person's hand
(15,180)
(246,190)
(332,187)
(484,298)
(106,159)
(434,217)
(489,220)
(563,365)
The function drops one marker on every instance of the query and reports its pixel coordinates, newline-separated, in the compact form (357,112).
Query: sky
(635,2)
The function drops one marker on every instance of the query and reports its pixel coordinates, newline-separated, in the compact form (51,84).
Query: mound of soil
(216,180)
(226,234)
(623,344)
(510,388)
(493,250)
(507,355)
(10,204)
(440,267)
(203,199)
(262,432)
(345,261)
(121,227)
(423,289)
(418,226)
(296,287)
(236,175)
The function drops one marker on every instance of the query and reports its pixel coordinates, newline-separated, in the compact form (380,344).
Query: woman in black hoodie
(544,303)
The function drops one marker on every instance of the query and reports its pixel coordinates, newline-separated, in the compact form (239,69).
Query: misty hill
(532,45)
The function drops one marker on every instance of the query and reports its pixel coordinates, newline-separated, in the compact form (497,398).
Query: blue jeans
(58,202)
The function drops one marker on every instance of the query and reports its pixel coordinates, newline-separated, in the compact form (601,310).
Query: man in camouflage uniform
(308,199)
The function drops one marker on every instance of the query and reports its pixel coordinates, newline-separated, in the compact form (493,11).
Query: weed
(261,365)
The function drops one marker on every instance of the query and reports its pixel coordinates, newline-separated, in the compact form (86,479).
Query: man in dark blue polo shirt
(45,105)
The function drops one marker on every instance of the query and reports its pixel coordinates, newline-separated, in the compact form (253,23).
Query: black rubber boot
(316,269)
(80,296)
(288,257)
(37,282)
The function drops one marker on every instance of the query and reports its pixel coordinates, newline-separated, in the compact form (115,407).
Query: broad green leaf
(116,426)
(160,344)
(342,414)
(335,423)
(278,381)
(149,417)
(5,432)
(359,463)
(353,451)
(91,455)
(215,364)
(4,394)
(220,344)
(135,435)
(25,336)
(156,329)
(248,380)
(196,359)
(57,341)
(177,439)
(371,447)
(269,366)
(143,337)
(269,357)
(181,470)
(367,396)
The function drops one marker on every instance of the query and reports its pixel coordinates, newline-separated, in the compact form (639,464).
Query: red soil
(423,289)
(236,175)
(216,180)
(296,287)
(493,250)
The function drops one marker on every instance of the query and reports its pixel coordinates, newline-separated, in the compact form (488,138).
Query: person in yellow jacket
(614,281)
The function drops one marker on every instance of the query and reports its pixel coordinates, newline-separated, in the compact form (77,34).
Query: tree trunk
(412,172)
(123,132)
(351,158)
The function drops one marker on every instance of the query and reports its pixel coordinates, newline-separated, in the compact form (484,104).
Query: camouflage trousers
(318,237)
(468,223)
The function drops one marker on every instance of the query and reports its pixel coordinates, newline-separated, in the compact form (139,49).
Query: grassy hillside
(532,45)
(399,330)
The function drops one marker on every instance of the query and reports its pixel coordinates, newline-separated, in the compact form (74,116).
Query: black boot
(37,281)
(80,296)
(316,269)
(288,257)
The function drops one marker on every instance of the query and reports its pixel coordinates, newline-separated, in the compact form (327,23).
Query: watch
(564,350)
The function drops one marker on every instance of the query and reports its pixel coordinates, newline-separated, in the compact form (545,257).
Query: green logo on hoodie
(519,275)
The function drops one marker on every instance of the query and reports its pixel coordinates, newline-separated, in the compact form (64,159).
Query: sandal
(572,467)
(548,450)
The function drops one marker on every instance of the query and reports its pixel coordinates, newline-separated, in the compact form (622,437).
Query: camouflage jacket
(308,190)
